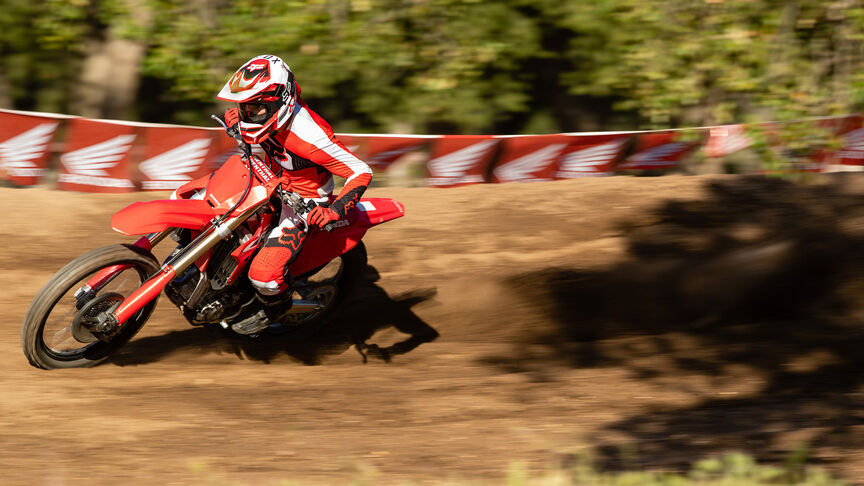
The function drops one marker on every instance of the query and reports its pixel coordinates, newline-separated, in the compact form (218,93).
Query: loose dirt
(638,322)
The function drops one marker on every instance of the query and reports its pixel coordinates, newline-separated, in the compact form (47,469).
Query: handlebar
(234,133)
(301,206)
(291,199)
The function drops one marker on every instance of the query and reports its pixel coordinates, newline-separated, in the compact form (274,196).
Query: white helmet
(265,90)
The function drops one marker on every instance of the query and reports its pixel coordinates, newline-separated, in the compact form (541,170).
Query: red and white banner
(591,155)
(853,148)
(851,134)
(175,156)
(24,144)
(100,155)
(356,144)
(225,148)
(460,159)
(657,151)
(529,159)
(96,157)
(727,139)
(381,152)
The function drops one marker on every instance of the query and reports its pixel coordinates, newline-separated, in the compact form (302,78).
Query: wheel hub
(322,295)
(88,314)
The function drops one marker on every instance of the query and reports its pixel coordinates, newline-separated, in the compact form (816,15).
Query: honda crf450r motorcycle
(96,303)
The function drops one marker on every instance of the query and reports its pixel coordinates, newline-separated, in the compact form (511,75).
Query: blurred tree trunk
(5,98)
(110,75)
(109,79)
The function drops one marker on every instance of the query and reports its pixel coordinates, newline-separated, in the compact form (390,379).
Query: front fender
(155,216)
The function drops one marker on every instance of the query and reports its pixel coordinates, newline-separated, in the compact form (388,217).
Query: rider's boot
(273,308)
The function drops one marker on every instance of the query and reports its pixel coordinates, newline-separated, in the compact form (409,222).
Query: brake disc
(88,314)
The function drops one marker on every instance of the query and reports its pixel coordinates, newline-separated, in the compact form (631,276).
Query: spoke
(61,337)
(68,313)
(64,321)
(121,283)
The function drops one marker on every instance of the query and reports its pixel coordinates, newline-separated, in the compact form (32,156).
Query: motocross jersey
(307,155)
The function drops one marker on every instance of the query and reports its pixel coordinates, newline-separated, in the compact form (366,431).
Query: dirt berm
(646,322)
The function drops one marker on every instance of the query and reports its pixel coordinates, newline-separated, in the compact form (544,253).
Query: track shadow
(762,274)
(369,310)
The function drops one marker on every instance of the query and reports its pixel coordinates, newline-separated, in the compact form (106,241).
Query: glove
(320,216)
(232,121)
(232,117)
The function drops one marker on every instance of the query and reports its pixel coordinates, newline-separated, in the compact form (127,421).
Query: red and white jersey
(309,154)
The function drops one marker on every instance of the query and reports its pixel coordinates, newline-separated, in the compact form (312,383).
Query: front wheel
(53,336)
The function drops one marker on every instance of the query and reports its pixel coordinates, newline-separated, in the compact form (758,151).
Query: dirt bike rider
(301,148)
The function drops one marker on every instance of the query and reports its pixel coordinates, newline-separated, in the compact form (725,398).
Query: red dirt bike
(97,302)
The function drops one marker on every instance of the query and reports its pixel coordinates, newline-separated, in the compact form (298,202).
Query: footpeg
(251,325)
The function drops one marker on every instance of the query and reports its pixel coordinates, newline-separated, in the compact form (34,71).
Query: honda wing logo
(524,168)
(591,161)
(19,154)
(854,148)
(736,142)
(726,140)
(171,169)
(389,156)
(452,168)
(656,157)
(88,165)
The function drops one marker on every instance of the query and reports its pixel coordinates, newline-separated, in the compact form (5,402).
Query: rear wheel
(53,335)
(327,286)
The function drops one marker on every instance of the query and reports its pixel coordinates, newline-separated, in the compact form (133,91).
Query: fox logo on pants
(290,238)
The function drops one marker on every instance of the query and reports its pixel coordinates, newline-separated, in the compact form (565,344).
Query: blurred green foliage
(733,469)
(460,66)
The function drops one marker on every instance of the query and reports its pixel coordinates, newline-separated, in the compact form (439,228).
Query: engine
(205,297)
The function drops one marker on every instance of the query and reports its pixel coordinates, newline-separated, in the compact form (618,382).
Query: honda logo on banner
(657,151)
(726,140)
(24,142)
(529,159)
(591,156)
(458,160)
(381,152)
(224,147)
(175,156)
(356,144)
(853,148)
(97,157)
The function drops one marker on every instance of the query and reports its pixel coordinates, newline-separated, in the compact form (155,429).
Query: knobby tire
(42,356)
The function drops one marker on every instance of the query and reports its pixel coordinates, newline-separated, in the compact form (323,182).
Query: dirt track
(650,321)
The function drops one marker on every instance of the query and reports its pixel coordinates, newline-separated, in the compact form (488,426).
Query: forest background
(445,66)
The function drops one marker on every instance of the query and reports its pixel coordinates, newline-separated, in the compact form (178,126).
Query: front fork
(107,274)
(108,322)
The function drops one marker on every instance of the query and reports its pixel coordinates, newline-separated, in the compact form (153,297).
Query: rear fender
(320,246)
(376,210)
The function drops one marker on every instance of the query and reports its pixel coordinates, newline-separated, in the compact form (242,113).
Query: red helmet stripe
(249,75)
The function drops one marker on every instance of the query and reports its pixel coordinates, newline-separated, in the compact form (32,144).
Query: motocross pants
(268,270)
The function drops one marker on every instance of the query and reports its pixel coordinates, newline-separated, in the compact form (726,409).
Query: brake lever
(235,134)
